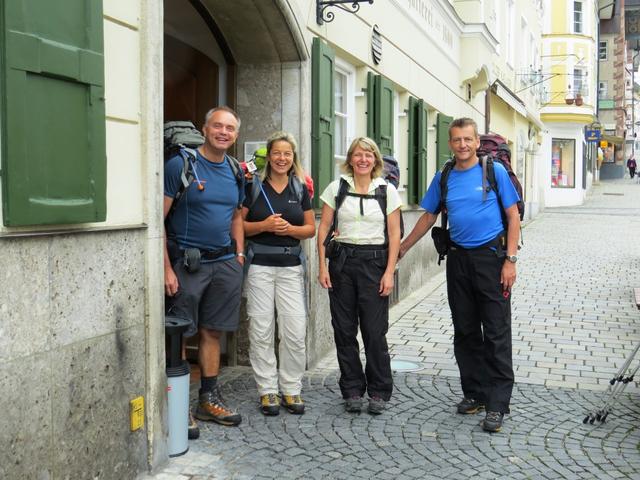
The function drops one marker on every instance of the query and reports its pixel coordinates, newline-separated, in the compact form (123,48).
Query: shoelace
(494,416)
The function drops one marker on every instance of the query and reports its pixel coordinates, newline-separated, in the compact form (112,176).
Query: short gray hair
(222,108)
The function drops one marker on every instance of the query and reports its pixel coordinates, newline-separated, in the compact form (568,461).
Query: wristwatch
(241,254)
(512,258)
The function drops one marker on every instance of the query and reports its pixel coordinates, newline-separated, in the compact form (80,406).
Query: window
(602,50)
(344,105)
(603,90)
(579,81)
(577,17)
(510,40)
(53,140)
(563,163)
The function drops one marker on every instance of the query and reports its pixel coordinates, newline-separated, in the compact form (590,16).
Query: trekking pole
(619,377)
(615,398)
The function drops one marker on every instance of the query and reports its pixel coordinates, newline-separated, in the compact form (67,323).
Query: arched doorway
(247,54)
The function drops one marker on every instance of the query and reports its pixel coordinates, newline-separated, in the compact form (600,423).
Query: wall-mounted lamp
(351,6)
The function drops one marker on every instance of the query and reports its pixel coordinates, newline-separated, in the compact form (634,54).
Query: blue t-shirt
(472,221)
(202,218)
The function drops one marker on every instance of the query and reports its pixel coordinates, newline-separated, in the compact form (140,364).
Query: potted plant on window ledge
(579,100)
(569,96)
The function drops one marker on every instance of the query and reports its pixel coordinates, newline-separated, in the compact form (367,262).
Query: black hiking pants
(355,301)
(482,325)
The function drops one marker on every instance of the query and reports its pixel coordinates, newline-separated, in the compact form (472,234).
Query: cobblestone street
(574,323)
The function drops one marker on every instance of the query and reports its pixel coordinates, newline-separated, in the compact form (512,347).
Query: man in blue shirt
(203,258)
(481,269)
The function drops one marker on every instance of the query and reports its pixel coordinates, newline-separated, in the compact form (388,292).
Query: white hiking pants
(282,288)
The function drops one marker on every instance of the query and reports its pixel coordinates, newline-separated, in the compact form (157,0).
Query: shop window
(52,136)
(344,104)
(563,163)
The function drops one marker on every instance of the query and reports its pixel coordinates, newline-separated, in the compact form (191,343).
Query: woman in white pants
(277,215)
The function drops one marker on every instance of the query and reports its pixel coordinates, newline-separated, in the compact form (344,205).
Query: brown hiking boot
(270,404)
(194,430)
(212,408)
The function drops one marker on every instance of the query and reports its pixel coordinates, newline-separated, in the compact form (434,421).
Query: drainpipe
(487,111)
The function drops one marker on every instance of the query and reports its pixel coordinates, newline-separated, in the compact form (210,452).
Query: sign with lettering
(592,135)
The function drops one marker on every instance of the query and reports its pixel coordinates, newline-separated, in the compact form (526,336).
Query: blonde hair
(367,144)
(296,168)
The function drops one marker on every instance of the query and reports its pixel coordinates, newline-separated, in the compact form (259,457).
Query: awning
(613,139)
(509,98)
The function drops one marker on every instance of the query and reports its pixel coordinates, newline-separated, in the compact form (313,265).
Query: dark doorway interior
(190,82)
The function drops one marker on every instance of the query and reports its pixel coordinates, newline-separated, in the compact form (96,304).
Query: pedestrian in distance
(359,233)
(277,214)
(480,270)
(631,165)
(203,258)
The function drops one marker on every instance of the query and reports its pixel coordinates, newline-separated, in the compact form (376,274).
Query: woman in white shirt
(362,253)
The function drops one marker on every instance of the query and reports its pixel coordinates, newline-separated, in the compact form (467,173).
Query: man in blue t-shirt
(203,258)
(481,269)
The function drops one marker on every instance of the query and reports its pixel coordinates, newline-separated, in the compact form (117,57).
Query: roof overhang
(510,98)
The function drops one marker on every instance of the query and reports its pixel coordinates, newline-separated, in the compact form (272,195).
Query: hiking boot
(493,422)
(469,405)
(194,431)
(293,403)
(376,405)
(211,407)
(353,404)
(270,404)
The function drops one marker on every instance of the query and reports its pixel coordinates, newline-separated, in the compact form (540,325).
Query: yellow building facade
(569,72)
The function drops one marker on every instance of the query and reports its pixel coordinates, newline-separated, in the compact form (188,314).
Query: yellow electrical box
(136,412)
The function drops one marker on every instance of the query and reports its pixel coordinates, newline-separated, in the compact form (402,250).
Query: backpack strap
(444,189)
(381,196)
(238,173)
(343,190)
(295,185)
(489,176)
(187,177)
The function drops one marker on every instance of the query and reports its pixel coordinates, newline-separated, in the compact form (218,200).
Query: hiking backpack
(182,138)
(497,149)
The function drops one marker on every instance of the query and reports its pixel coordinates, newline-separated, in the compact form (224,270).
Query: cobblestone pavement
(574,323)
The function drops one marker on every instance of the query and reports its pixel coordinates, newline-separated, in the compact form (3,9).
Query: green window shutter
(412,153)
(442,131)
(53,119)
(371,105)
(417,185)
(423,179)
(380,112)
(322,115)
(384,115)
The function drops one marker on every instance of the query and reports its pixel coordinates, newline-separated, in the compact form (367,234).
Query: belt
(215,254)
(496,243)
(366,252)
(261,249)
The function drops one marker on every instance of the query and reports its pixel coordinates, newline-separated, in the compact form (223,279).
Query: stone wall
(72,355)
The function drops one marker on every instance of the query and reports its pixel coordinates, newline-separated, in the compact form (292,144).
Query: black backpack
(182,138)
(380,194)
